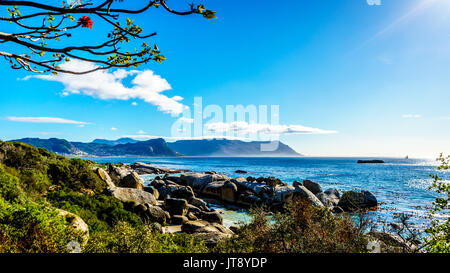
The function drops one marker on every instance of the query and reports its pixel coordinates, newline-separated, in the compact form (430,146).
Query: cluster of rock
(173,199)
(165,203)
(268,191)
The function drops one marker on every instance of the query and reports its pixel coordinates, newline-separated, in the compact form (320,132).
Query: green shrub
(9,186)
(302,228)
(100,212)
(32,228)
(124,238)
(438,240)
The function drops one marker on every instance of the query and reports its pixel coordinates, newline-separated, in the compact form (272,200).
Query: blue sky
(367,80)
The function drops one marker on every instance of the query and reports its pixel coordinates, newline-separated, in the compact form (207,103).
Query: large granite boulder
(157,183)
(283,194)
(334,193)
(391,243)
(176,206)
(105,177)
(199,203)
(132,195)
(249,199)
(184,192)
(255,187)
(326,201)
(173,177)
(144,168)
(156,214)
(229,192)
(199,180)
(312,186)
(153,191)
(272,181)
(194,210)
(214,189)
(212,217)
(77,225)
(118,171)
(301,191)
(168,190)
(330,196)
(178,220)
(132,180)
(210,233)
(356,200)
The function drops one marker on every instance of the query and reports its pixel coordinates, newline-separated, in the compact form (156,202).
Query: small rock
(191,216)
(212,217)
(199,203)
(178,219)
(312,186)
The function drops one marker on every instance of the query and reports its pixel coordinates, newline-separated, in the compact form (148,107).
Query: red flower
(85,21)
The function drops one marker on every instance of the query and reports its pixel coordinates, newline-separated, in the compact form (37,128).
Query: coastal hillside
(53,204)
(55,145)
(159,147)
(123,140)
(121,147)
(224,147)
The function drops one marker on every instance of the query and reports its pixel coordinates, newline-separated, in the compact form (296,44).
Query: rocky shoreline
(174,200)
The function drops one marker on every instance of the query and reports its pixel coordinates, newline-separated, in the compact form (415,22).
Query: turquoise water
(401,185)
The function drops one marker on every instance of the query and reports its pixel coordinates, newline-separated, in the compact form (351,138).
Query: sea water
(400,185)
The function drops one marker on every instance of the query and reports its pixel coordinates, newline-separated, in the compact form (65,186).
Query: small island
(375,161)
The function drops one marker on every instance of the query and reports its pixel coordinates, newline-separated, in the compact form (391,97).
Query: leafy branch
(45,23)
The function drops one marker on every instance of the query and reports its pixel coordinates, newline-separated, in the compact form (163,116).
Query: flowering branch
(46,24)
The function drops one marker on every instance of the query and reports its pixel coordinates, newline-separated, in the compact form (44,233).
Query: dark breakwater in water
(401,185)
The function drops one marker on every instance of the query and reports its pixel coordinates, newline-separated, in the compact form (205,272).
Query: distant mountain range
(224,147)
(158,147)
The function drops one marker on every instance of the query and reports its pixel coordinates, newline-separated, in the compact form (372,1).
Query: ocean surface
(400,185)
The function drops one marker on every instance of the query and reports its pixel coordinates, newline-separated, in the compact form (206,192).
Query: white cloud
(186,120)
(106,85)
(46,120)
(242,127)
(113,129)
(411,116)
(141,132)
(134,103)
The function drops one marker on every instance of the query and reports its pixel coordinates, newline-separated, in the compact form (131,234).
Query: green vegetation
(124,238)
(34,183)
(439,230)
(302,228)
